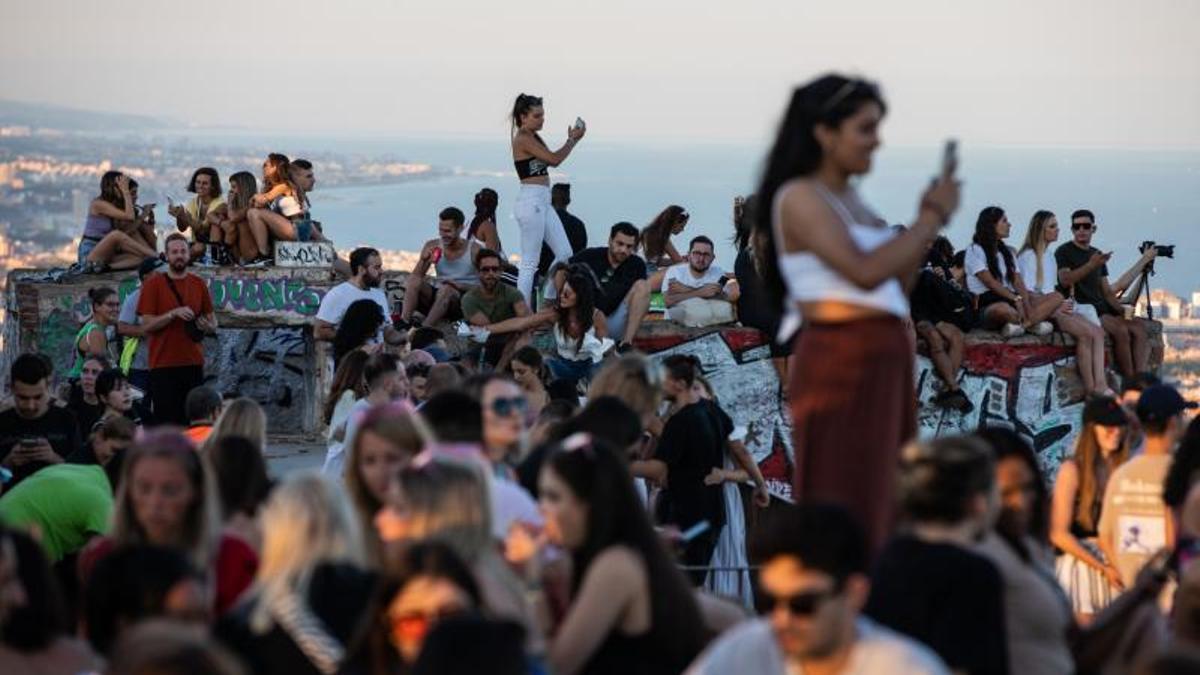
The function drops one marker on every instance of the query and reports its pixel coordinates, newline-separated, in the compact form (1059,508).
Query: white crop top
(809,279)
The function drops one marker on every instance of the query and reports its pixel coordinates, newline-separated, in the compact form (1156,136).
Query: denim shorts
(85,248)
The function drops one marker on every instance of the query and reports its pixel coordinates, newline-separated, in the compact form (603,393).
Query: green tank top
(80,357)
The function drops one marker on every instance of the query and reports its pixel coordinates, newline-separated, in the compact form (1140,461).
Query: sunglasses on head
(1081,226)
(507,406)
(800,604)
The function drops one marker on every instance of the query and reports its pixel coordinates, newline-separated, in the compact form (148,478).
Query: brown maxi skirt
(853,407)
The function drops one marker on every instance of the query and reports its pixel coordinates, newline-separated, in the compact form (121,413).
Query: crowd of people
(584,508)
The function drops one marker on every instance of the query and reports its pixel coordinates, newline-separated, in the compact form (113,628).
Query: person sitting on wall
(492,302)
(104,246)
(698,294)
(301,171)
(452,258)
(366,276)
(229,228)
(194,213)
(280,212)
(942,310)
(619,279)
(141,227)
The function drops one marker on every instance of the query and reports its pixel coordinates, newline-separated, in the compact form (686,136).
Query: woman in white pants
(537,219)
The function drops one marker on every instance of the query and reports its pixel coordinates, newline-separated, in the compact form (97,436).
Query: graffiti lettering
(304,254)
(265,295)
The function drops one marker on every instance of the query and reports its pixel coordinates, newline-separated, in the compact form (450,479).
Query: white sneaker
(1042,328)
(1012,330)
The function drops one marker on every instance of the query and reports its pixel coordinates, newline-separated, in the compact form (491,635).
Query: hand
(1114,577)
(123,183)
(258,201)
(575,133)
(1150,254)
(762,498)
(710,290)
(1022,310)
(183,313)
(942,194)
(16,456)
(715,477)
(1068,306)
(1099,259)
(42,452)
(205,324)
(176,210)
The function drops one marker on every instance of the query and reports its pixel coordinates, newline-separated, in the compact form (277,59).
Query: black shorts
(988,298)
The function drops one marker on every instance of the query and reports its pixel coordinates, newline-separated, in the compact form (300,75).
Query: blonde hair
(200,533)
(243,417)
(307,521)
(1035,240)
(633,378)
(399,425)
(448,499)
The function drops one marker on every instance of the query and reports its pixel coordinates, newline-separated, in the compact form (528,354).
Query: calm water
(1136,195)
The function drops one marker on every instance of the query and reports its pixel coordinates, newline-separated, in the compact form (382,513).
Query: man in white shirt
(366,275)
(813,584)
(695,293)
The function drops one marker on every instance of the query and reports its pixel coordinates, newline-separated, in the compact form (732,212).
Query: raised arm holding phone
(843,270)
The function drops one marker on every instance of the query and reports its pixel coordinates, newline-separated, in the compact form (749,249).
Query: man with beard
(622,292)
(492,302)
(812,587)
(453,258)
(176,311)
(366,275)
(696,294)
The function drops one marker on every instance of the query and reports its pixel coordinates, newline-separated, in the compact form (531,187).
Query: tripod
(1144,282)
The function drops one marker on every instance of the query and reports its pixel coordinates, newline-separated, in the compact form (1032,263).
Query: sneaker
(944,399)
(1042,328)
(259,261)
(1011,330)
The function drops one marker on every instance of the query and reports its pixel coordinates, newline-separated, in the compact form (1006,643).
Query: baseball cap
(1105,411)
(1161,402)
(149,265)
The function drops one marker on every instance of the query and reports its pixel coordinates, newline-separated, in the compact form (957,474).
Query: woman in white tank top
(851,392)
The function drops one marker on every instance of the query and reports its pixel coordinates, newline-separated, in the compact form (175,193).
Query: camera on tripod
(1163,250)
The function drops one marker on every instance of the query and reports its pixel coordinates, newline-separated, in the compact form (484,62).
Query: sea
(1137,195)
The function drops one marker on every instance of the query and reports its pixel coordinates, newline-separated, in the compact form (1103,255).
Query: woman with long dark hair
(753,308)
(537,219)
(359,326)
(852,395)
(482,227)
(197,214)
(631,608)
(1091,581)
(530,373)
(657,248)
(992,276)
(233,229)
(1039,271)
(103,246)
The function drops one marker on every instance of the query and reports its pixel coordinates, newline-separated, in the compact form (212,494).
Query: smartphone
(694,531)
(579,124)
(950,158)
(29,442)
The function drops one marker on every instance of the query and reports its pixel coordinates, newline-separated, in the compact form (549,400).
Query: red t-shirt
(171,346)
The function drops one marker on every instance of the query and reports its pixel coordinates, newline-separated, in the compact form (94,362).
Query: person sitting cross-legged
(492,302)
(697,293)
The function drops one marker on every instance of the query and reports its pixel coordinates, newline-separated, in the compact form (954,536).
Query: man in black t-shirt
(34,434)
(1083,275)
(691,446)
(622,292)
(560,199)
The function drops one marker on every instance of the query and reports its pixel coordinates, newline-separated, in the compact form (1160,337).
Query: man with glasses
(812,586)
(492,302)
(697,293)
(1083,275)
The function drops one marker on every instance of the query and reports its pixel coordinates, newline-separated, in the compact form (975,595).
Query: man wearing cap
(135,360)
(1134,521)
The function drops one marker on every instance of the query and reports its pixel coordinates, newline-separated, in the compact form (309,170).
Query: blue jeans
(563,369)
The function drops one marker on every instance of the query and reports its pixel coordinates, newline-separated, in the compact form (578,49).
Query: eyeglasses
(800,604)
(1081,226)
(507,406)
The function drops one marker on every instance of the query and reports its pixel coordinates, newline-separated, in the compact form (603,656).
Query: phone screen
(950,158)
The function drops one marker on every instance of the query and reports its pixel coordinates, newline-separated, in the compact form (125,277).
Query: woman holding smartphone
(851,391)
(532,158)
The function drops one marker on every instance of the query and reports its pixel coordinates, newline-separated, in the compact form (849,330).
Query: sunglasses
(800,604)
(1081,226)
(507,406)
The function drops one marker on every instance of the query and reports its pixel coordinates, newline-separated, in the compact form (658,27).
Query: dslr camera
(1163,250)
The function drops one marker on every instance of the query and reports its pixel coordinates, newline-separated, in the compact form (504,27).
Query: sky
(1089,73)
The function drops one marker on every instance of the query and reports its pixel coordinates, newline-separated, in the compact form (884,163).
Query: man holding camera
(1083,275)
(177,312)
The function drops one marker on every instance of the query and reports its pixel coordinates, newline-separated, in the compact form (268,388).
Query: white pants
(699,312)
(539,223)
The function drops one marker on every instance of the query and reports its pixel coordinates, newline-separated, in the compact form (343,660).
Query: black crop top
(531,168)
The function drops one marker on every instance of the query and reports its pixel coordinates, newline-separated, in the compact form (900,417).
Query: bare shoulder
(801,199)
(618,562)
(1068,473)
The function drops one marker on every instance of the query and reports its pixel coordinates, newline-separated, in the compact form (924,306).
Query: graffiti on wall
(60,319)
(738,365)
(273,366)
(1035,391)
(276,296)
(304,254)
